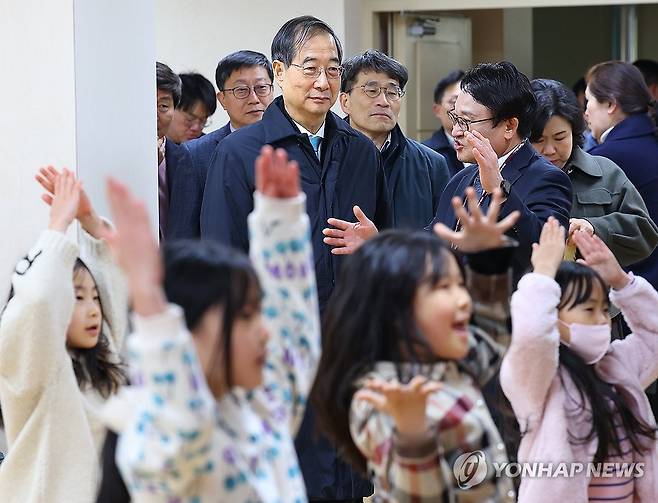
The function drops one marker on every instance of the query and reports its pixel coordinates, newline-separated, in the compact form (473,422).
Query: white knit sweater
(53,431)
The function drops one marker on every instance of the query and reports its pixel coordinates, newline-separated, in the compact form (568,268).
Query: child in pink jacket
(578,398)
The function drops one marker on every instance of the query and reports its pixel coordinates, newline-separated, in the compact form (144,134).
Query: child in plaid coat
(400,378)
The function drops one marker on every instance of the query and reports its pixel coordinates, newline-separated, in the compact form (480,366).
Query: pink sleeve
(638,302)
(532,359)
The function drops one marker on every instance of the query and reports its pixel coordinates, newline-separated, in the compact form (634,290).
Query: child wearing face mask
(59,337)
(578,398)
(409,339)
(224,352)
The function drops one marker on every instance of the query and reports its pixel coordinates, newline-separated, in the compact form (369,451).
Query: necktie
(477,185)
(315,143)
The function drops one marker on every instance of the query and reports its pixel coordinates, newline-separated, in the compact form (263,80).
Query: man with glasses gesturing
(491,123)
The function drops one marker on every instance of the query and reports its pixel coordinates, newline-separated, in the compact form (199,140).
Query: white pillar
(78,90)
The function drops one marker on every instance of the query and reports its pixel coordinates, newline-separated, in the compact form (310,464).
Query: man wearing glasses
(339,168)
(371,93)
(244,80)
(197,103)
(491,123)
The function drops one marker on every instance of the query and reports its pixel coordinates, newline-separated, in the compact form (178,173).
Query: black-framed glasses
(241,92)
(313,72)
(392,93)
(464,124)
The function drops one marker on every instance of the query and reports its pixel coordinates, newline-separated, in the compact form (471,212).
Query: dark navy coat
(186,179)
(349,173)
(440,144)
(416,177)
(633,146)
(539,191)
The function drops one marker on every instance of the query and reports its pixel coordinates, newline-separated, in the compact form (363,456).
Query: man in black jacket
(371,92)
(339,167)
(445,96)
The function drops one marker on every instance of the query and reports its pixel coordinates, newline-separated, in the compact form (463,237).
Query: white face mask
(590,342)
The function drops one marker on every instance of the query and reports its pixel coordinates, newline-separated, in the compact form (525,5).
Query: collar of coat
(584,162)
(278,125)
(634,125)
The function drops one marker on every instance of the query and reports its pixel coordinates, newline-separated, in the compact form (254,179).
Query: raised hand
(580,224)
(548,254)
(478,231)
(599,257)
(64,201)
(275,175)
(85,215)
(487,161)
(405,403)
(347,237)
(134,247)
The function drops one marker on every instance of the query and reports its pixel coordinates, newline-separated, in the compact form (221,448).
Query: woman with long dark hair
(578,398)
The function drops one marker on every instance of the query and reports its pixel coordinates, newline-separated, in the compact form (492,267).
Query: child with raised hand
(215,405)
(66,314)
(578,397)
(400,378)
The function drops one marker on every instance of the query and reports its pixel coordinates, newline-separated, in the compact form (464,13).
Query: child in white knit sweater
(59,335)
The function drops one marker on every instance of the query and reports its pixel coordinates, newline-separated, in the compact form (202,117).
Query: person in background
(617,104)
(372,88)
(649,69)
(445,95)
(604,200)
(244,80)
(197,103)
(168,97)
(579,90)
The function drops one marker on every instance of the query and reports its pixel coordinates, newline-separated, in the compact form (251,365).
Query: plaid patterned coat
(422,471)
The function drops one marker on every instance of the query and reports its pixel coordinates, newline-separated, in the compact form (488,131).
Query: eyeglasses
(241,92)
(192,120)
(392,93)
(464,124)
(313,72)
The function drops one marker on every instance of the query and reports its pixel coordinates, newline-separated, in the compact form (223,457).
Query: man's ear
(221,98)
(345,103)
(511,127)
(436,110)
(279,70)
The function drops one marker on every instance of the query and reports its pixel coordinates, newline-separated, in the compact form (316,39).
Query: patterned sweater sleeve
(34,323)
(281,253)
(111,284)
(408,469)
(532,359)
(165,445)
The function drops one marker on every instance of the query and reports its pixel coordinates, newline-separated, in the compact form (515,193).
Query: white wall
(193,35)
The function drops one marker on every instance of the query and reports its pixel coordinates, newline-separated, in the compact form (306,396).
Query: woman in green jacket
(605,202)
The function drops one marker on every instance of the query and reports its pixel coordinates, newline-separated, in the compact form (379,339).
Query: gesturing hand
(548,254)
(347,237)
(275,175)
(135,249)
(405,403)
(478,231)
(487,160)
(64,202)
(599,257)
